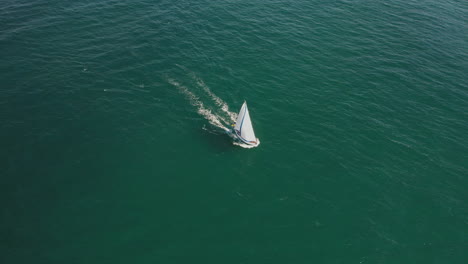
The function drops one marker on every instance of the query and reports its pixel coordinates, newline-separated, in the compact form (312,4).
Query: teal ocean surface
(114,148)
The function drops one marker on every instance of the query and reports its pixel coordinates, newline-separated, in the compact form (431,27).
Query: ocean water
(114,146)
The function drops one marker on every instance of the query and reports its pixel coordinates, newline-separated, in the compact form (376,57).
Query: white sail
(243,125)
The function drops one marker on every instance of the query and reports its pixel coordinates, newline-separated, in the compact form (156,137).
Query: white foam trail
(218,101)
(195,101)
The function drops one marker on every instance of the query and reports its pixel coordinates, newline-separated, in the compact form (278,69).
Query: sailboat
(243,129)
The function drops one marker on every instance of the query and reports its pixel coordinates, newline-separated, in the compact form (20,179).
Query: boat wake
(214,119)
(218,101)
(219,116)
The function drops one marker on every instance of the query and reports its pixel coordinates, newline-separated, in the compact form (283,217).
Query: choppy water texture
(114,149)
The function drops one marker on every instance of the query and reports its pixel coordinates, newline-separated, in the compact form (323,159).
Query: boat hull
(241,139)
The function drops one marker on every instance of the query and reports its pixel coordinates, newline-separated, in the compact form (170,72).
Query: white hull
(244,141)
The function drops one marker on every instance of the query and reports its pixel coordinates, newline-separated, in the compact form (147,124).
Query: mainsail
(243,125)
